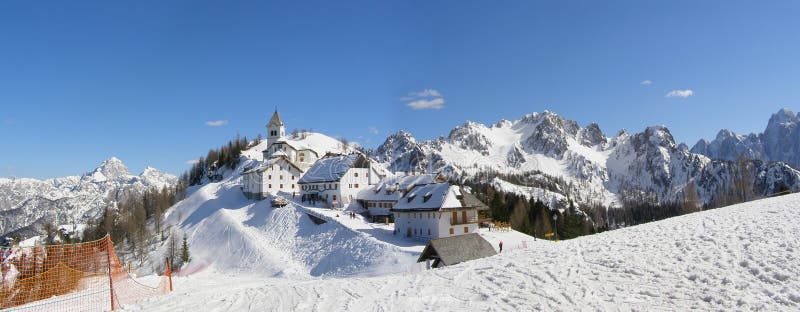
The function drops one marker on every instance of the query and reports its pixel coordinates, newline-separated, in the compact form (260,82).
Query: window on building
(355,174)
(367,174)
(281,186)
(269,177)
(452,231)
(466,229)
(356,185)
(334,197)
(270,185)
(429,232)
(292,186)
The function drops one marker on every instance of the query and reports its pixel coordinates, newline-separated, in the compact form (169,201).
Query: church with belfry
(285,160)
(294,149)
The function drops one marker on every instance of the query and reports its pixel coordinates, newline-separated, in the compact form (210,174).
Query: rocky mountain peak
(592,135)
(109,169)
(781,118)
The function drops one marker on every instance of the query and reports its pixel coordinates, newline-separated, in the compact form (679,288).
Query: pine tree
(185,258)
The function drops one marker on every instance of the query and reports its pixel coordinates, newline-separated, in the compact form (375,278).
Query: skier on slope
(501,246)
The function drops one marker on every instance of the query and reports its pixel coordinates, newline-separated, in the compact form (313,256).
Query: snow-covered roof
(279,154)
(317,143)
(430,197)
(268,163)
(391,189)
(456,249)
(331,169)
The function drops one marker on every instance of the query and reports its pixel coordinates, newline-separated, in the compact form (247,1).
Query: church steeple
(275,120)
(275,128)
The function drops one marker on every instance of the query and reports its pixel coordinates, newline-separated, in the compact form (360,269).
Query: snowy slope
(743,257)
(26,204)
(229,233)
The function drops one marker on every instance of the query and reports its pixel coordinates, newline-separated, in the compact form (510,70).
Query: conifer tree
(185,258)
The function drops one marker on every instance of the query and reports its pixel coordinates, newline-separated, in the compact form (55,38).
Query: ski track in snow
(743,257)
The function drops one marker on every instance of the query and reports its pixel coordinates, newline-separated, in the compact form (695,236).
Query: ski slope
(742,257)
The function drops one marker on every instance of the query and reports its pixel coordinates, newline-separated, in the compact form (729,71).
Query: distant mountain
(780,141)
(27,204)
(597,169)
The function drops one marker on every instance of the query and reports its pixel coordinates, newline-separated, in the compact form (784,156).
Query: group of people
(352,214)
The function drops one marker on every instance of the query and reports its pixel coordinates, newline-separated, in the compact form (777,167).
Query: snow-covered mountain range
(780,141)
(598,169)
(27,204)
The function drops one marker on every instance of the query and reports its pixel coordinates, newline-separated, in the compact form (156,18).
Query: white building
(335,180)
(380,198)
(436,210)
(295,149)
(277,174)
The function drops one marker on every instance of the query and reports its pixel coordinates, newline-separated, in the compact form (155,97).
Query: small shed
(456,249)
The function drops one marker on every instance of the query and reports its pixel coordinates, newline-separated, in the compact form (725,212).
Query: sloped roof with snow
(391,189)
(430,197)
(331,169)
(268,163)
(456,249)
(318,143)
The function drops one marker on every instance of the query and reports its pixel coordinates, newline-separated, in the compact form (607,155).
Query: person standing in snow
(501,246)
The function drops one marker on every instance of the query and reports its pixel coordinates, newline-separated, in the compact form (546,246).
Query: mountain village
(420,206)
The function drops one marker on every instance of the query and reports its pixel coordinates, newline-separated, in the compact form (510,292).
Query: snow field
(743,257)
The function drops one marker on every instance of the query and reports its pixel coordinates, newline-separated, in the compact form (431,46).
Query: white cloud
(422,94)
(437,103)
(425,99)
(373,130)
(646,83)
(217,123)
(680,93)
(192,162)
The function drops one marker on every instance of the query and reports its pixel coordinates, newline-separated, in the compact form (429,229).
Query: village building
(294,149)
(284,162)
(380,198)
(440,252)
(335,180)
(277,174)
(436,210)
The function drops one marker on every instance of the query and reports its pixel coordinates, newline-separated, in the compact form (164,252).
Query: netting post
(110,278)
(169,273)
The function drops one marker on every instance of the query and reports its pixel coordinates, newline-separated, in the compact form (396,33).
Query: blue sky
(81,81)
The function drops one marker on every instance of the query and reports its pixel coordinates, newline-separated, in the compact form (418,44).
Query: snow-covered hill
(742,257)
(600,169)
(230,233)
(27,204)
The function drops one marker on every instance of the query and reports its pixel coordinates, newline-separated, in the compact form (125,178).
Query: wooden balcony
(459,221)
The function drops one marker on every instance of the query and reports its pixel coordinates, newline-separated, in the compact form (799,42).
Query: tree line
(532,216)
(225,156)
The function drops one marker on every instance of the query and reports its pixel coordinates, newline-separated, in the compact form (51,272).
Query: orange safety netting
(74,277)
